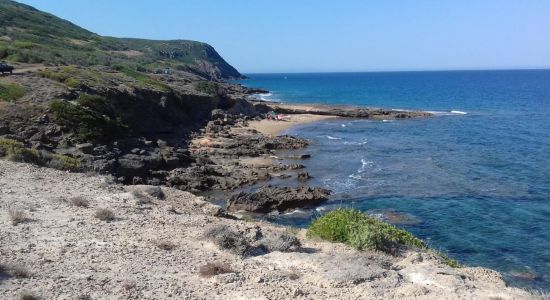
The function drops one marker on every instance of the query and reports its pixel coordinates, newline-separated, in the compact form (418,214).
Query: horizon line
(402,71)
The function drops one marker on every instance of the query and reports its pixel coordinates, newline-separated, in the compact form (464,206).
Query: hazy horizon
(316,36)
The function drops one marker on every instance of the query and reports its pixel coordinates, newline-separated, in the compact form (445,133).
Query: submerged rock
(269,198)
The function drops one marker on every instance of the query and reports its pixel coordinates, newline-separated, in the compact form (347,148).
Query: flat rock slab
(268,199)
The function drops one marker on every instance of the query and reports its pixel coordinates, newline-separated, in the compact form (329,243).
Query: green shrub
(11,92)
(207,87)
(86,123)
(361,232)
(336,226)
(53,75)
(72,82)
(16,151)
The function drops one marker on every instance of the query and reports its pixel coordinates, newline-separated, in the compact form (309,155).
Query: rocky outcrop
(269,198)
(341,111)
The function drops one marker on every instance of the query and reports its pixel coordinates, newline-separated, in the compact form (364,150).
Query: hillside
(28,35)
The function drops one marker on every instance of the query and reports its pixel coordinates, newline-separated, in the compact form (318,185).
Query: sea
(473,180)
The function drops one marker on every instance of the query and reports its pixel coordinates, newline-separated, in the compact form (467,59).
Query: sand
(272,127)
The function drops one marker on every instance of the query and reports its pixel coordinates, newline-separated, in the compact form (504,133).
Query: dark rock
(4,129)
(104,165)
(304,176)
(268,198)
(86,148)
(301,156)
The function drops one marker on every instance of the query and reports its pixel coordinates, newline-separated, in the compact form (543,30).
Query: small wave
(447,113)
(355,176)
(343,125)
(266,97)
(387,121)
(296,212)
(333,138)
(361,143)
(366,162)
(458,112)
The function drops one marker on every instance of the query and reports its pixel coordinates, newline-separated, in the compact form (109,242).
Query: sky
(263,36)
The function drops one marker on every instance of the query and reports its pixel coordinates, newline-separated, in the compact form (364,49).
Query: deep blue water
(475,185)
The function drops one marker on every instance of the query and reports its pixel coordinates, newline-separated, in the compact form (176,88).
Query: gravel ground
(154,249)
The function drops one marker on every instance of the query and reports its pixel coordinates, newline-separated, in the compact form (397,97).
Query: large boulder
(267,199)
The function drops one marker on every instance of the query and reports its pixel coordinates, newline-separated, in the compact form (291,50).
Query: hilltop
(28,35)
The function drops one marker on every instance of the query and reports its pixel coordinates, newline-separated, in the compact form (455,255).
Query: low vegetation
(16,151)
(26,295)
(354,228)
(79,201)
(207,87)
(213,269)
(226,239)
(14,270)
(165,245)
(281,242)
(105,214)
(17,216)
(11,92)
(88,123)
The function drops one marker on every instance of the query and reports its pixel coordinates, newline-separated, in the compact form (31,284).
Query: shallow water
(475,178)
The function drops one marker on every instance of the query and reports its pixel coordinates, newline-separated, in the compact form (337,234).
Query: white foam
(267,97)
(447,113)
(343,125)
(458,112)
(333,138)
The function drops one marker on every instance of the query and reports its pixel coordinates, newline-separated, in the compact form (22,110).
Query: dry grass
(14,270)
(165,245)
(79,201)
(105,214)
(293,275)
(17,216)
(226,239)
(129,285)
(213,269)
(281,242)
(28,296)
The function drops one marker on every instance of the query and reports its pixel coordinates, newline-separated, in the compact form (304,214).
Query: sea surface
(473,181)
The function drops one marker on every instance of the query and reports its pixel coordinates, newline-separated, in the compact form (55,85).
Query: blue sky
(345,35)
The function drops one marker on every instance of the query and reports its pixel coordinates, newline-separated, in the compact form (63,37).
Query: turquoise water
(474,181)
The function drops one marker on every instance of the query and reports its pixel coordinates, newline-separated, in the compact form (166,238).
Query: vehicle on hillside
(4,68)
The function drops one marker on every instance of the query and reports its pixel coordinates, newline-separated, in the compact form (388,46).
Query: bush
(226,239)
(11,92)
(213,269)
(207,87)
(28,296)
(17,216)
(282,242)
(80,201)
(15,270)
(86,123)
(361,232)
(165,245)
(16,151)
(105,214)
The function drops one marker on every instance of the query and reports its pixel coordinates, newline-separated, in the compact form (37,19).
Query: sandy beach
(273,128)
